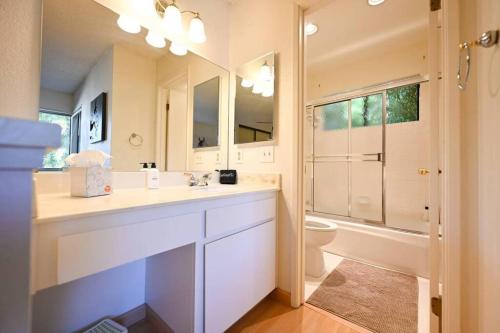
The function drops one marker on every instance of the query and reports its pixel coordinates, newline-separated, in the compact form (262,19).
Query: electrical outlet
(267,154)
(217,158)
(198,158)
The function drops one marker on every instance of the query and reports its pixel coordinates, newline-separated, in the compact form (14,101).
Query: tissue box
(90,181)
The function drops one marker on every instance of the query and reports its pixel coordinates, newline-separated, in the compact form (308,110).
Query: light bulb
(172,20)
(265,73)
(156,40)
(246,83)
(257,89)
(178,49)
(197,30)
(268,91)
(128,24)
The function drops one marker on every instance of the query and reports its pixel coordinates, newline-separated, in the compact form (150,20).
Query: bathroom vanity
(225,235)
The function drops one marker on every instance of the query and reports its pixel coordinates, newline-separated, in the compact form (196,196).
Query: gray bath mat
(377,299)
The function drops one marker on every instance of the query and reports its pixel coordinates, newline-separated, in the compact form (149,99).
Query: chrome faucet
(201,181)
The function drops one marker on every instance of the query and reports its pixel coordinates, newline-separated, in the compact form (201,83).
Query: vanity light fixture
(257,89)
(266,73)
(245,83)
(375,2)
(178,49)
(155,40)
(171,21)
(268,91)
(197,30)
(310,29)
(128,24)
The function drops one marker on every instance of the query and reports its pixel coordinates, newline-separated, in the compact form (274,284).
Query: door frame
(450,166)
(162,117)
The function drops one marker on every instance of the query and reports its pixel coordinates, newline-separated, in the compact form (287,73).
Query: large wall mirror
(112,91)
(255,101)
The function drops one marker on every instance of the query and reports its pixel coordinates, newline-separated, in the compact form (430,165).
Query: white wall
(469,147)
(488,102)
(99,80)
(373,67)
(20,29)
(134,108)
(259,27)
(75,305)
(52,100)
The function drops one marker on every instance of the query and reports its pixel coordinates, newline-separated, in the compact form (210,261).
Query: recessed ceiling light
(310,29)
(375,2)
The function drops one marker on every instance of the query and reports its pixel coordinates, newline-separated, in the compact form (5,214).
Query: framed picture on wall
(98,118)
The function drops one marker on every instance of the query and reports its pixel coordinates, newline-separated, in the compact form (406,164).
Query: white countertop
(61,206)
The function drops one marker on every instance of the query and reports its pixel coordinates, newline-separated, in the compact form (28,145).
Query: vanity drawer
(225,219)
(87,253)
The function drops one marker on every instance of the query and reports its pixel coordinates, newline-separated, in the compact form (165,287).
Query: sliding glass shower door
(348,158)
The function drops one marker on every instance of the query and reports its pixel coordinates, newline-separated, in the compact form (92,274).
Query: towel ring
(135,140)
(466,47)
(486,40)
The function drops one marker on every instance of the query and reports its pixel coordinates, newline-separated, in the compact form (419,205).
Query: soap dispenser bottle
(153,177)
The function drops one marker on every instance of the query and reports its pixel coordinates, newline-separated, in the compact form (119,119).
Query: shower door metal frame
(349,96)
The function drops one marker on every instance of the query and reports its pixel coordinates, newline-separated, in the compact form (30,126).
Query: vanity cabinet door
(239,272)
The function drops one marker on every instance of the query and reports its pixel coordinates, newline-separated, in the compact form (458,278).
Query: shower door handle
(423,171)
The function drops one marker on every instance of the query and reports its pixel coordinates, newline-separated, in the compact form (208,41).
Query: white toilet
(318,234)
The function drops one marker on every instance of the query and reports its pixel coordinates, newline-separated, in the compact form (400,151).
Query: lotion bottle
(153,177)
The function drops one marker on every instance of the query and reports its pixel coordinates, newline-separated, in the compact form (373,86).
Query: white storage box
(90,181)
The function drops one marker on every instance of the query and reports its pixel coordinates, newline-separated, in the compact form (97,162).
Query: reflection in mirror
(255,101)
(206,114)
(367,121)
(112,91)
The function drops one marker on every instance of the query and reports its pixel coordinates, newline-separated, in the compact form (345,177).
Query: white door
(176,129)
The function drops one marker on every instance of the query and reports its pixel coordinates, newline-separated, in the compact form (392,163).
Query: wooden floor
(273,316)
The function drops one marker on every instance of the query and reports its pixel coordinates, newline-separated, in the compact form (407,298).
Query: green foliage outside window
(55,158)
(403,104)
(366,111)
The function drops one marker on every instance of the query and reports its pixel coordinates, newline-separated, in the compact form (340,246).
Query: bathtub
(388,248)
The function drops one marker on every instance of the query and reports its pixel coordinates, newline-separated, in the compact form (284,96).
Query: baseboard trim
(131,317)
(143,312)
(159,325)
(281,296)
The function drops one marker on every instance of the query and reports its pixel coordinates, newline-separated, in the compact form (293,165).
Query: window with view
(54,159)
(403,104)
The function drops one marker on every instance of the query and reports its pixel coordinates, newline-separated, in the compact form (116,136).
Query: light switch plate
(267,154)
(239,156)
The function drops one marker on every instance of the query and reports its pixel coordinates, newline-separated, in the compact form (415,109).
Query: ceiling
(348,28)
(75,35)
